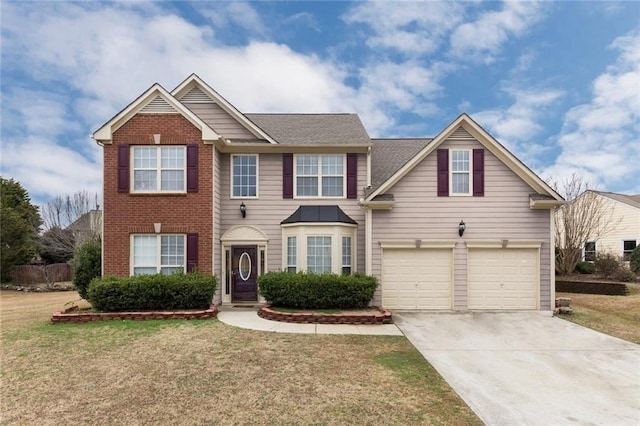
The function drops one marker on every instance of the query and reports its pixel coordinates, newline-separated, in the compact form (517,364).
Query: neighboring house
(87,226)
(622,230)
(192,183)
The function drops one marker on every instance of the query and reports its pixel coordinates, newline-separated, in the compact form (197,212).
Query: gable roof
(319,214)
(485,139)
(389,155)
(155,99)
(631,200)
(313,129)
(194,81)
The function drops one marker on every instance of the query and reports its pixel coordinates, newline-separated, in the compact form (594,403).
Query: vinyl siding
(267,211)
(624,225)
(219,120)
(502,213)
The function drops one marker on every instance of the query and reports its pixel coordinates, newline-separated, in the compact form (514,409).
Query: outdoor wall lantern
(461,227)
(243,210)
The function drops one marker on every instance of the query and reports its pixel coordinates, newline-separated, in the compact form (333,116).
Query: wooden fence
(27,275)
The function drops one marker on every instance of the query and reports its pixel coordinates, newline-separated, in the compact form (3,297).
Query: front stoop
(382,317)
(68,315)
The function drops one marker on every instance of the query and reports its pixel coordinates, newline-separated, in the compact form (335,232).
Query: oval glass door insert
(244,266)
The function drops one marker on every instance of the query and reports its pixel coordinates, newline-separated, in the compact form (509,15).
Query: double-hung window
(154,254)
(627,248)
(292,248)
(159,169)
(460,172)
(318,254)
(320,175)
(346,255)
(244,171)
(590,251)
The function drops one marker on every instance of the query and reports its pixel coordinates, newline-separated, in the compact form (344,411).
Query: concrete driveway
(530,368)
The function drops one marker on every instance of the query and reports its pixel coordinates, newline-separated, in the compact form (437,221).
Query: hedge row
(317,291)
(152,292)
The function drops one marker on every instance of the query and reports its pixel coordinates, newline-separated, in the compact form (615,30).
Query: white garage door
(503,278)
(416,278)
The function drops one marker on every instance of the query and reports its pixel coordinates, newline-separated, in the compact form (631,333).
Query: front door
(244,273)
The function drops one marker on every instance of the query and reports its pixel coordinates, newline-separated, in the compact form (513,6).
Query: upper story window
(627,248)
(159,169)
(153,254)
(320,175)
(244,176)
(460,172)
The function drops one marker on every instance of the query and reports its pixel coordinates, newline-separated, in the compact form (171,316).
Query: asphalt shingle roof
(632,200)
(389,155)
(313,129)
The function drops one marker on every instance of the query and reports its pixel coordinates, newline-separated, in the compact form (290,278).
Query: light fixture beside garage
(243,210)
(461,227)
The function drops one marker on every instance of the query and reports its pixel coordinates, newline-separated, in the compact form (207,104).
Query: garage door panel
(502,278)
(416,279)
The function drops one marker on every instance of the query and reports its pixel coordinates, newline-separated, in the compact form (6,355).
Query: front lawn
(618,316)
(205,372)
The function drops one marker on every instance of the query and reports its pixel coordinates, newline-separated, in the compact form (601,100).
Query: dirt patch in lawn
(188,372)
(617,316)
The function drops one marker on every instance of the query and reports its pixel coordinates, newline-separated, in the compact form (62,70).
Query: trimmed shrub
(585,268)
(87,265)
(152,292)
(317,291)
(607,264)
(634,260)
(623,275)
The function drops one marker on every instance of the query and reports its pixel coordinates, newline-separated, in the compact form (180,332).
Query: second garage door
(503,278)
(417,278)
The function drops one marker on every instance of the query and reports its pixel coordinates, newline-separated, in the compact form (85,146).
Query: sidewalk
(249,319)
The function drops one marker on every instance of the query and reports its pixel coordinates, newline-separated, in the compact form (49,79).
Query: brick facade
(125,214)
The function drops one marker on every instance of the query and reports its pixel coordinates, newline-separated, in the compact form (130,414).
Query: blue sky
(558,83)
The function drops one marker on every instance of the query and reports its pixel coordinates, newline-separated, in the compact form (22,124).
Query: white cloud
(225,14)
(600,138)
(406,27)
(517,126)
(483,38)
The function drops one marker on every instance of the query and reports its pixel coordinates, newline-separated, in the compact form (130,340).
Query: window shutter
(287,175)
(352,175)
(478,172)
(192,252)
(192,168)
(443,173)
(123,168)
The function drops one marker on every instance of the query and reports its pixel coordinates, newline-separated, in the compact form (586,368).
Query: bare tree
(585,217)
(69,220)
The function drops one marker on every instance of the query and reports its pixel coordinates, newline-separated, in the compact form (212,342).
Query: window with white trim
(627,248)
(158,253)
(159,169)
(292,250)
(346,255)
(318,254)
(320,175)
(590,251)
(244,176)
(460,172)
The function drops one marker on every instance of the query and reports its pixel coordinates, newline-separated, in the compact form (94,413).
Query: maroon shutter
(352,175)
(478,172)
(192,252)
(192,168)
(287,175)
(443,173)
(123,168)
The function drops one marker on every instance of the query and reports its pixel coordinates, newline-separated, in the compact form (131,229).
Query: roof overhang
(104,135)
(544,204)
(193,80)
(377,205)
(227,146)
(486,140)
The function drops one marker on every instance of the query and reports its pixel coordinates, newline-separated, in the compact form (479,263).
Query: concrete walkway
(530,368)
(249,319)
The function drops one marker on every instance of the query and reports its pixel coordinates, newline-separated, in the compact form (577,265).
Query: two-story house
(454,222)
